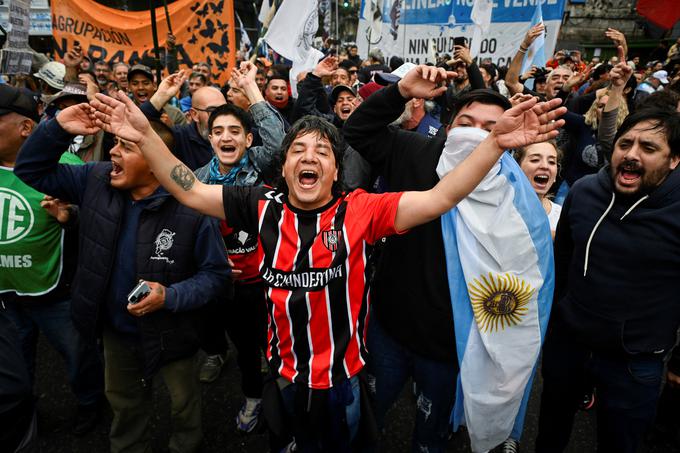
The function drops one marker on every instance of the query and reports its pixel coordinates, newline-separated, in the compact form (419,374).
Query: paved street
(221,403)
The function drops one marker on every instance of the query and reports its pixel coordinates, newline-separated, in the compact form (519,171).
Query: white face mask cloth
(460,143)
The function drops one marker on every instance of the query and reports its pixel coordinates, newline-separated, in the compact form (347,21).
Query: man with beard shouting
(617,264)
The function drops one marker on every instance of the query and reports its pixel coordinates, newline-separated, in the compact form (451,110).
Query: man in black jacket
(131,229)
(412,332)
(617,264)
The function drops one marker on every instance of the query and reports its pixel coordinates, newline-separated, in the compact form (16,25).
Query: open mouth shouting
(308,178)
(142,96)
(227,150)
(541,181)
(629,174)
(116,170)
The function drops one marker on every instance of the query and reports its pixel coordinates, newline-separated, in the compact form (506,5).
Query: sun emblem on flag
(499,301)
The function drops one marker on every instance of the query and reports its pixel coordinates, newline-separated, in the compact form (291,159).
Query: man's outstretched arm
(121,117)
(522,125)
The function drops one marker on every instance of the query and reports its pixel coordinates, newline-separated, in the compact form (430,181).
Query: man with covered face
(617,263)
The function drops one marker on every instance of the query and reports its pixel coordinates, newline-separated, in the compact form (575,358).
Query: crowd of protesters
(242,212)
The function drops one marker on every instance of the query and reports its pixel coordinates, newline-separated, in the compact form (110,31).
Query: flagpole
(337,23)
(154,35)
(167,16)
(263,30)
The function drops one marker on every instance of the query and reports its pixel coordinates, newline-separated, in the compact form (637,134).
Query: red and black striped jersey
(314,264)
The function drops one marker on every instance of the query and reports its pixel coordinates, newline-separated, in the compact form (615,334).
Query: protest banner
(204,30)
(418,29)
(16,56)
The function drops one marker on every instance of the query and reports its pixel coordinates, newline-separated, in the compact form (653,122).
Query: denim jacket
(262,160)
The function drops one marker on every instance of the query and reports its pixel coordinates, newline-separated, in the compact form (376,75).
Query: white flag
(291,34)
(481,17)
(264,11)
(245,39)
(292,30)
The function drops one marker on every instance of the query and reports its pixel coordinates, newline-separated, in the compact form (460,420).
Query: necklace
(547,206)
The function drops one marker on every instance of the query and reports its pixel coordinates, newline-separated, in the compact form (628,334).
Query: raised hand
(171,85)
(425,82)
(518,98)
(619,39)
(620,73)
(533,33)
(73,57)
(529,74)
(326,67)
(463,53)
(529,122)
(78,119)
(248,69)
(118,115)
(240,79)
(92,87)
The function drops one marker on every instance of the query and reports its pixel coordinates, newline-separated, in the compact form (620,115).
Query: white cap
(662,76)
(53,74)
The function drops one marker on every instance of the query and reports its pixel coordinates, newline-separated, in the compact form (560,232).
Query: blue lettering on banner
(422,12)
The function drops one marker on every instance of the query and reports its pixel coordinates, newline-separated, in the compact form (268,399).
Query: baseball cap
(662,76)
(18,101)
(383,78)
(339,89)
(77,91)
(368,89)
(142,69)
(53,74)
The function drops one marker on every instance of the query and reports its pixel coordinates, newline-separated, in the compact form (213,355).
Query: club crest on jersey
(330,239)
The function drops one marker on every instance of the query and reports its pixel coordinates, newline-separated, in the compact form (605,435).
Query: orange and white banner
(204,30)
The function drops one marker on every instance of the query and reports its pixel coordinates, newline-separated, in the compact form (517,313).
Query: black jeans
(245,320)
(246,324)
(627,389)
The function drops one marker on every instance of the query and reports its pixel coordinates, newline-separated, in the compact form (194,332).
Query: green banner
(31,240)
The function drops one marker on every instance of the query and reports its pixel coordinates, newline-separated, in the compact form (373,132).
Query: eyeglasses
(354,71)
(207,110)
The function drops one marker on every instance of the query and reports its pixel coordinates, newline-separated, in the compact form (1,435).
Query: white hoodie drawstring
(634,206)
(592,233)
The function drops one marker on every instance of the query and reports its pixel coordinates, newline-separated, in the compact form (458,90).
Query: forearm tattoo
(183,177)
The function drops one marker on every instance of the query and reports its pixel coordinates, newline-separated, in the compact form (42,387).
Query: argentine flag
(500,269)
(536,53)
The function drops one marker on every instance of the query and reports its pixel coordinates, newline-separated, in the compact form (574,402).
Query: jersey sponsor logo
(16,216)
(312,280)
(241,243)
(164,242)
(330,239)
